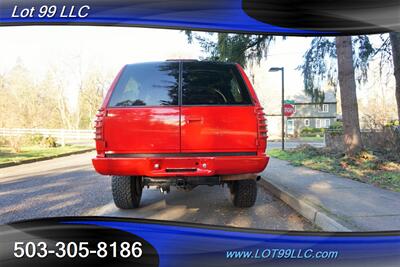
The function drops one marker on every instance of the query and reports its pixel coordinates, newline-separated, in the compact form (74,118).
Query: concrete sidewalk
(332,202)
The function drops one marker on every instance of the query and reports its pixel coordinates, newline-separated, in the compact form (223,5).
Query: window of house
(324,108)
(322,123)
(317,123)
(290,127)
(307,122)
(327,123)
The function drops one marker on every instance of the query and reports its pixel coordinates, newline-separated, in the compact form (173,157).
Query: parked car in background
(181,123)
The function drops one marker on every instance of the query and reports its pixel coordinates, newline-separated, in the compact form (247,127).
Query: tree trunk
(395,42)
(348,96)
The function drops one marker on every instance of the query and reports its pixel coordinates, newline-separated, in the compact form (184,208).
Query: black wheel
(126,191)
(243,193)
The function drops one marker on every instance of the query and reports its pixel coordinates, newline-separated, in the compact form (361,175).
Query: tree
(348,95)
(62,104)
(27,103)
(90,98)
(332,59)
(389,55)
(21,95)
(3,102)
(50,114)
(239,48)
(395,44)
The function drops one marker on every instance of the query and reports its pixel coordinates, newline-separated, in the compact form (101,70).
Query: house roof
(330,96)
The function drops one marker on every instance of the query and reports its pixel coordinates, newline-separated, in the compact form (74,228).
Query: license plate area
(180,170)
(181,166)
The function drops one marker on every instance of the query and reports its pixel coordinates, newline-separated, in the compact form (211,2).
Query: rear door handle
(190,119)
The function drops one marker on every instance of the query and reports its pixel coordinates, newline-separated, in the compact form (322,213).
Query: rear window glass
(147,84)
(213,84)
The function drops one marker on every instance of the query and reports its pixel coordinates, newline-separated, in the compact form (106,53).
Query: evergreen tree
(240,48)
(344,59)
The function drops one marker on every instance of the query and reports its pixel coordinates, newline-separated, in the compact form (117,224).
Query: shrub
(311,132)
(4,141)
(306,130)
(15,142)
(49,142)
(32,139)
(39,139)
(337,125)
(308,150)
(393,123)
(36,139)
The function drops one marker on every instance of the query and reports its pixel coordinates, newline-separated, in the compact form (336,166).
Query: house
(312,115)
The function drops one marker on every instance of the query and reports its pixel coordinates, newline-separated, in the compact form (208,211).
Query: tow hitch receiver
(185,183)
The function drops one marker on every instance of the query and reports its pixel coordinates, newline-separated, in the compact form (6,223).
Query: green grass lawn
(35,152)
(368,168)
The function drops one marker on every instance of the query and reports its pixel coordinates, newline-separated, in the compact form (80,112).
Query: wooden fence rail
(60,134)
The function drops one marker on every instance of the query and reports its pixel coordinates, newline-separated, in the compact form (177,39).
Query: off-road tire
(243,193)
(126,191)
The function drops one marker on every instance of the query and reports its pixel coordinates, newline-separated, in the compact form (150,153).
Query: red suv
(181,123)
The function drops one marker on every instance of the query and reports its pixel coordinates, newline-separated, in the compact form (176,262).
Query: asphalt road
(69,186)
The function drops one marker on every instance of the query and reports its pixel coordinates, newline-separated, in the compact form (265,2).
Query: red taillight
(262,123)
(99,124)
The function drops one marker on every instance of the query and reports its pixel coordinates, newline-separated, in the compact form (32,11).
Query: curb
(10,164)
(315,215)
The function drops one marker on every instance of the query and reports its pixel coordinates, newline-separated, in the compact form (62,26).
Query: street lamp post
(274,69)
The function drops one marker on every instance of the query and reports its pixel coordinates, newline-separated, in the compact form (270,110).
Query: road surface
(69,186)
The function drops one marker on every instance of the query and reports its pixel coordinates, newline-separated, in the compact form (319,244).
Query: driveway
(69,186)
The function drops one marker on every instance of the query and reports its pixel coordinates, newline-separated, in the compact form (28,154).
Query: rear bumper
(180,166)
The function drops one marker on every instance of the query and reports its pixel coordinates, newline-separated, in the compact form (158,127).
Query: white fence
(62,135)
